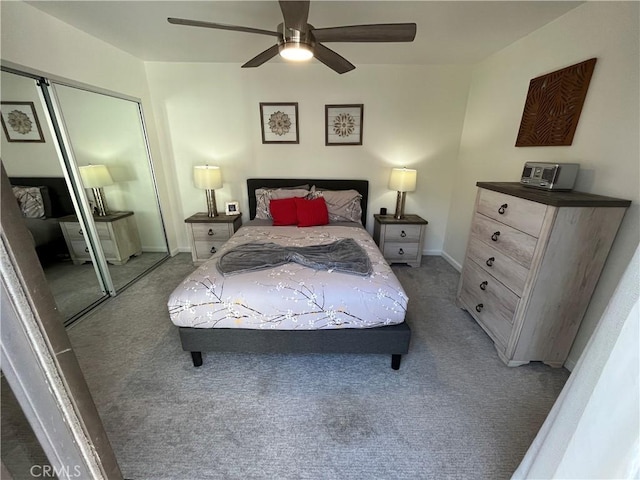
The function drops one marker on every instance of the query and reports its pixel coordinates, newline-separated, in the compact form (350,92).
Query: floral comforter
(290,296)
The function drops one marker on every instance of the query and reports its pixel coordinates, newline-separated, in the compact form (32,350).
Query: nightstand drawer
(204,249)
(402,252)
(75,231)
(488,300)
(522,214)
(403,233)
(507,240)
(207,232)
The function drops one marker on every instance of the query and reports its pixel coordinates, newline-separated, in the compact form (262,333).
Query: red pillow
(312,212)
(283,211)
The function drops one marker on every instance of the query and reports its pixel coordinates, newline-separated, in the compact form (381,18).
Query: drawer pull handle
(495,236)
(400,251)
(502,208)
(479,307)
(213,250)
(490,261)
(483,285)
(86,249)
(80,231)
(210,232)
(403,234)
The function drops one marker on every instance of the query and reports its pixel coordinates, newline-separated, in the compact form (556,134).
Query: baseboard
(451,261)
(570,364)
(432,253)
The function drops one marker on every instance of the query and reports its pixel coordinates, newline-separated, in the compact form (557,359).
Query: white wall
(66,52)
(209,113)
(606,140)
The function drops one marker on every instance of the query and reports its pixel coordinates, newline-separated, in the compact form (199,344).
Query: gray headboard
(362,186)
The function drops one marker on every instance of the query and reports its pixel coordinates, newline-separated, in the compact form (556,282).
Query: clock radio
(550,176)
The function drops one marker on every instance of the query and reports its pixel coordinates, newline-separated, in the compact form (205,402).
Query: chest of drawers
(118,235)
(532,263)
(208,234)
(400,240)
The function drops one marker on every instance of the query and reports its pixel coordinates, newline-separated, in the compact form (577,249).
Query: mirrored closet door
(93,170)
(109,148)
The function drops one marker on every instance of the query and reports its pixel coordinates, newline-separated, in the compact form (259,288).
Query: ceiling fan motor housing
(290,38)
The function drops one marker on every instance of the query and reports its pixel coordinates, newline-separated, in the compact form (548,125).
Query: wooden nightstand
(208,234)
(400,241)
(118,235)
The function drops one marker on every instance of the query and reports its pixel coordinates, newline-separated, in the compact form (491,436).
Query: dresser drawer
(491,260)
(509,241)
(401,252)
(208,232)
(489,301)
(519,213)
(403,233)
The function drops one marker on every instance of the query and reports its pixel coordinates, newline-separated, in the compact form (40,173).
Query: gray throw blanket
(344,256)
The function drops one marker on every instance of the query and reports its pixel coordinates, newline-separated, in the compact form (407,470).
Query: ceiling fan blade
(259,59)
(295,13)
(331,59)
(383,32)
(220,26)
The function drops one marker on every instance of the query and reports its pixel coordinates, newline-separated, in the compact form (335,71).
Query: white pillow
(30,201)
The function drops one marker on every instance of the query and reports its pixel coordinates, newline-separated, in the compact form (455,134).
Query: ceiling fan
(299,40)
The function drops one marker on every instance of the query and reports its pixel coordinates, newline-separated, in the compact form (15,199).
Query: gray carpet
(453,410)
(75,287)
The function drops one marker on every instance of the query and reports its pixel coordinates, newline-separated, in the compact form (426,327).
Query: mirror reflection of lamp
(208,178)
(402,180)
(95,177)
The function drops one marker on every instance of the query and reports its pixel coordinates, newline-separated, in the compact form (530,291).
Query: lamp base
(400,205)
(212,210)
(101,202)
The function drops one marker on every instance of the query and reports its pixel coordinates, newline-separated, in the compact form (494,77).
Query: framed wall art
(343,124)
(20,122)
(553,106)
(279,122)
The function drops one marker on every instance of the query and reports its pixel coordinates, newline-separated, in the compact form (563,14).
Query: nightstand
(118,235)
(208,234)
(400,241)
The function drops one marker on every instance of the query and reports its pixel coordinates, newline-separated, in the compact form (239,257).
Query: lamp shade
(207,178)
(403,179)
(95,176)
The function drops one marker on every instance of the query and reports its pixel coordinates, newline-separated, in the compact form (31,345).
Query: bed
(44,226)
(292,308)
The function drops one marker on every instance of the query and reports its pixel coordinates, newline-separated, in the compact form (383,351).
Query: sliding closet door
(32,159)
(110,150)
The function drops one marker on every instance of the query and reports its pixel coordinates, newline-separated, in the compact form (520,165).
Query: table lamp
(402,180)
(95,177)
(208,178)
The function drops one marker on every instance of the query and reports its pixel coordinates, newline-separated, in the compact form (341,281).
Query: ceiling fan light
(297,52)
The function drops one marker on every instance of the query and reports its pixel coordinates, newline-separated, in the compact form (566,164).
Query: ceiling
(449,32)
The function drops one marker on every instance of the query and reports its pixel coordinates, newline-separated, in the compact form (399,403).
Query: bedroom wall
(69,53)
(606,140)
(209,113)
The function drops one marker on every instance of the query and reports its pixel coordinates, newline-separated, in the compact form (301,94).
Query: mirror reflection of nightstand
(118,235)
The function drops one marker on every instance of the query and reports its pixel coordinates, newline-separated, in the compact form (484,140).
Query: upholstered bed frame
(393,339)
